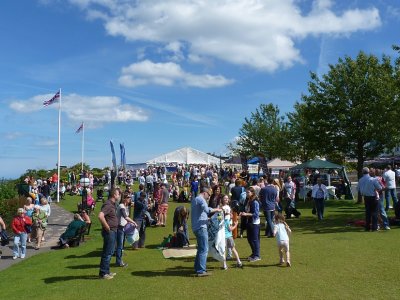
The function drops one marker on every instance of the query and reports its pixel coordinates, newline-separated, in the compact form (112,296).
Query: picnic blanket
(180,252)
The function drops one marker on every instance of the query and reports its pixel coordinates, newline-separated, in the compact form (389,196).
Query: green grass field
(329,261)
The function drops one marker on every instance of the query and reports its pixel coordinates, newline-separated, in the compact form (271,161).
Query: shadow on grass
(332,224)
(254,266)
(96,253)
(171,272)
(66,278)
(182,259)
(83,267)
(155,246)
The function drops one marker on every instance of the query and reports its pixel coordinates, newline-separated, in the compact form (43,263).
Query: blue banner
(114,160)
(123,161)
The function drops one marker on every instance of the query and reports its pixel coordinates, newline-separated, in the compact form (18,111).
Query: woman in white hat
(18,226)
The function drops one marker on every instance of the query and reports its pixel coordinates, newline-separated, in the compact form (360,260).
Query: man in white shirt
(149,183)
(319,194)
(390,179)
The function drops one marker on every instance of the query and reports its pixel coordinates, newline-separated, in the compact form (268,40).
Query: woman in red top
(18,227)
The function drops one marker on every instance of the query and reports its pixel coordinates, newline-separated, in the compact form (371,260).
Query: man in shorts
(163,205)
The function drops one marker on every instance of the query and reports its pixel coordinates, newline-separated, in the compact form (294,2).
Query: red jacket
(18,223)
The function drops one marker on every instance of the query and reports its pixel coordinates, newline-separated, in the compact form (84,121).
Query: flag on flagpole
(55,98)
(114,160)
(79,129)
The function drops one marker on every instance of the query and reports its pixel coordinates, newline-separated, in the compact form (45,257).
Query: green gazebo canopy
(317,164)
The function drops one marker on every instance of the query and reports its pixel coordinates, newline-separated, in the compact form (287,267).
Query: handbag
(4,239)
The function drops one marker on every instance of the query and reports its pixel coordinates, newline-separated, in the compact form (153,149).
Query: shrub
(9,200)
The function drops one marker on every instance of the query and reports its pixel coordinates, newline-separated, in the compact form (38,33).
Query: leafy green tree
(299,142)
(262,133)
(353,110)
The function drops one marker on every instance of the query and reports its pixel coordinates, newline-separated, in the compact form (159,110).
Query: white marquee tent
(185,155)
(280,164)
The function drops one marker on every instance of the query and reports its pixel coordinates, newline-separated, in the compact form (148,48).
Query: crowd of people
(238,197)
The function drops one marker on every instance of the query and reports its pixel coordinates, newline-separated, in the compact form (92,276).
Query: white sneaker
(15,257)
(22,256)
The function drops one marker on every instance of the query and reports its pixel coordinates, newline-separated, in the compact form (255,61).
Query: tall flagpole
(83,142)
(59,149)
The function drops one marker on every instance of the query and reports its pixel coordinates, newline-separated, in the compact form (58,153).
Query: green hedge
(9,200)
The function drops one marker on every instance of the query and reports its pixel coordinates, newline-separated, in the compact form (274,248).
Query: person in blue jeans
(381,207)
(109,222)
(123,219)
(390,191)
(268,197)
(367,187)
(200,213)
(252,212)
(18,226)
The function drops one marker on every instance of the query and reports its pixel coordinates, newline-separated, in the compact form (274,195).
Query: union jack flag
(55,98)
(79,129)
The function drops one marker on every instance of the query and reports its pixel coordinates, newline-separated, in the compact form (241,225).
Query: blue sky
(161,75)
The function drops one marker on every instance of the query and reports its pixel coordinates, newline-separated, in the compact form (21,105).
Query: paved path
(58,222)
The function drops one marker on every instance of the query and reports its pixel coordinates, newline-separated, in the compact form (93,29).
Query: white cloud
(167,74)
(46,143)
(393,11)
(94,111)
(260,34)
(13,135)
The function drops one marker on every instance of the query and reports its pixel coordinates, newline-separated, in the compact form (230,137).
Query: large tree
(262,133)
(299,145)
(353,110)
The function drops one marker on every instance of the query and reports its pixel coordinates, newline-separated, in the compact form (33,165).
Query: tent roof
(317,164)
(275,163)
(185,155)
(280,164)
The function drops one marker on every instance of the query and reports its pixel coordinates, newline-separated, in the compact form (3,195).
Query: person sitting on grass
(71,231)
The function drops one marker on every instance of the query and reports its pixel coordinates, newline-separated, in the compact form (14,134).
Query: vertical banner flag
(114,160)
(55,98)
(79,129)
(243,160)
(122,148)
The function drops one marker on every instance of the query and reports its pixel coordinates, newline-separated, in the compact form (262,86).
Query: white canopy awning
(185,155)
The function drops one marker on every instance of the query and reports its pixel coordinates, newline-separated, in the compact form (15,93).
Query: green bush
(7,189)
(9,200)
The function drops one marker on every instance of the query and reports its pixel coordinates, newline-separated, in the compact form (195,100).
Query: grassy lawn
(329,261)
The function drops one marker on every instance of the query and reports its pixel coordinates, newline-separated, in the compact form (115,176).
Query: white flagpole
(59,149)
(83,142)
